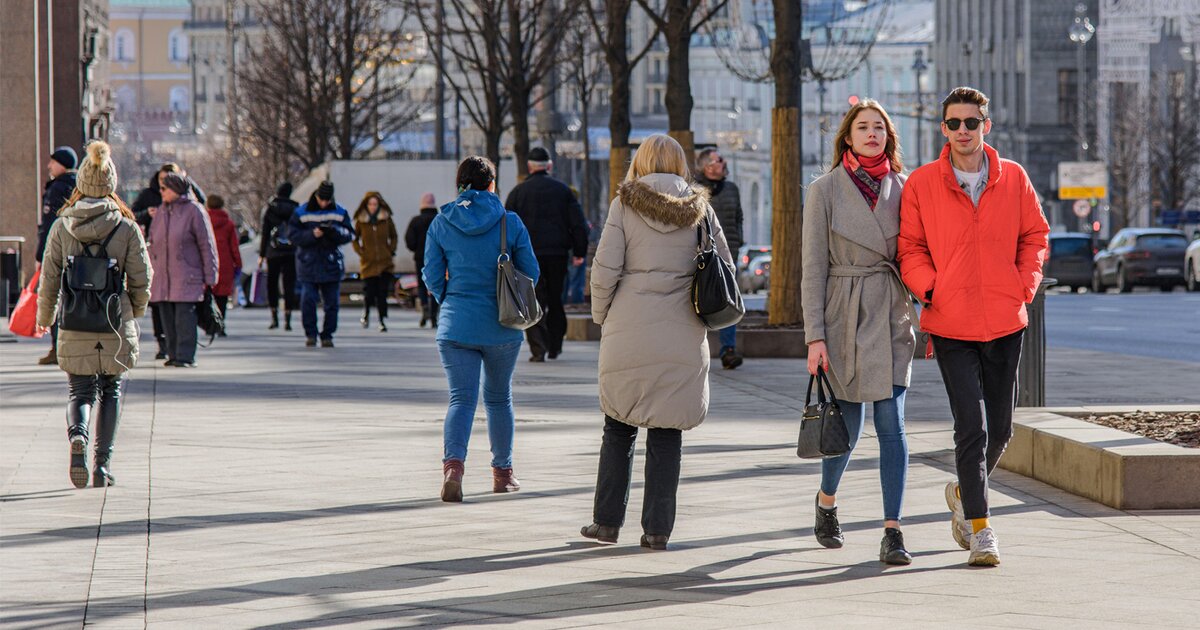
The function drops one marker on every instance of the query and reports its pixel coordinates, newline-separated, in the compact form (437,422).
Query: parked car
(1141,256)
(757,276)
(1069,260)
(1191,263)
(747,253)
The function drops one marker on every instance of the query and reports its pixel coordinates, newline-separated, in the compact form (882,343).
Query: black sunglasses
(972,123)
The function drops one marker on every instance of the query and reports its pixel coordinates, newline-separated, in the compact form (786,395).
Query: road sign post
(1082,180)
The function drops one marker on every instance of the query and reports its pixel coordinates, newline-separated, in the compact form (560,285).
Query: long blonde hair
(658,154)
(891,148)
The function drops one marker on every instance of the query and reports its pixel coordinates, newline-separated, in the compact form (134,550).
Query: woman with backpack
(375,241)
(183,251)
(95,223)
(279,255)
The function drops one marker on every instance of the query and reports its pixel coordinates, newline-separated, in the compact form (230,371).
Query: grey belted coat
(851,292)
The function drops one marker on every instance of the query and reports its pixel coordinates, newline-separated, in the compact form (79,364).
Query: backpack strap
(107,239)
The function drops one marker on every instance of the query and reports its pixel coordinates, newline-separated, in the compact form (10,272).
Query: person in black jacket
(726,202)
(556,226)
(279,255)
(61,169)
(414,239)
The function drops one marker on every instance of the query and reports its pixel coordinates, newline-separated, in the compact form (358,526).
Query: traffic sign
(1082,180)
(1082,208)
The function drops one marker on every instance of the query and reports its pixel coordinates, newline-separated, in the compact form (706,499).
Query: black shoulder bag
(822,430)
(715,294)
(208,316)
(91,289)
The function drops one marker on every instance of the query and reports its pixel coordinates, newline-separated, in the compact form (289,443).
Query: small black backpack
(91,290)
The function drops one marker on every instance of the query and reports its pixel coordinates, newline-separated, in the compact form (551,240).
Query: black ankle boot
(891,548)
(287,320)
(274,319)
(827,528)
(602,533)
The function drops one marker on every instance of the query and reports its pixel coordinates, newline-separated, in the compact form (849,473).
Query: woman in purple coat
(183,253)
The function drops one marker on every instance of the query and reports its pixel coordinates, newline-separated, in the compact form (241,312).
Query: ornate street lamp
(1081,32)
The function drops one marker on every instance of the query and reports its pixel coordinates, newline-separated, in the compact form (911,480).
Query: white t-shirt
(970,179)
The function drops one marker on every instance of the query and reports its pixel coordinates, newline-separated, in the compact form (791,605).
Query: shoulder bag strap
(503,238)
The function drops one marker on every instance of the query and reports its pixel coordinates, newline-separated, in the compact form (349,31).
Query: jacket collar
(856,221)
(946,169)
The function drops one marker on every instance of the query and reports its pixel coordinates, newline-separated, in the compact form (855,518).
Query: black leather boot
(287,320)
(274,319)
(79,409)
(107,417)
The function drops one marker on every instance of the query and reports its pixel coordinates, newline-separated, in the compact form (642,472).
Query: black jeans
(160,334)
(981,382)
(85,392)
(376,290)
(663,451)
(283,267)
(179,323)
(547,336)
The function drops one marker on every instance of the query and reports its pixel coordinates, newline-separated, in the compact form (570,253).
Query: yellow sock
(958,491)
(978,524)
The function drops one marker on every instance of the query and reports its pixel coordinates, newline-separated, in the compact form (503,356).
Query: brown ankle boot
(452,485)
(503,480)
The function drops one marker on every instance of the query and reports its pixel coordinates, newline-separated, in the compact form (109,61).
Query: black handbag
(91,289)
(516,293)
(715,294)
(208,316)
(822,430)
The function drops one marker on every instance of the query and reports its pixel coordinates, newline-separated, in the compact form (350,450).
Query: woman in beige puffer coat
(95,362)
(653,348)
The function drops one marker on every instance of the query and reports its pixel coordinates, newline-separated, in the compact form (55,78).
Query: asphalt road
(1143,324)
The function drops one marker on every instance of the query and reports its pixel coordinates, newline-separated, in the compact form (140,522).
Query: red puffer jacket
(227,250)
(982,264)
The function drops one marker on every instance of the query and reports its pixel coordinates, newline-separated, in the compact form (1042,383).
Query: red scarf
(867,173)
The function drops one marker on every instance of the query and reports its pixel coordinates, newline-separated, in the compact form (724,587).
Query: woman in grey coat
(857,314)
(653,347)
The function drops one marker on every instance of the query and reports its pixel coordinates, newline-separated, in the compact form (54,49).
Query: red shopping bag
(23,320)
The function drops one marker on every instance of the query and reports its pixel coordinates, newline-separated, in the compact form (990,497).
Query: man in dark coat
(557,227)
(319,229)
(59,187)
(414,239)
(726,202)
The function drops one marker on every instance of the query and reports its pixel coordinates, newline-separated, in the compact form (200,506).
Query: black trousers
(104,393)
(222,302)
(282,268)
(663,452)
(160,334)
(180,321)
(547,336)
(981,382)
(376,290)
(429,306)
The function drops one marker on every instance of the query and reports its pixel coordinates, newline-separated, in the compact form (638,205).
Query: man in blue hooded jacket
(318,229)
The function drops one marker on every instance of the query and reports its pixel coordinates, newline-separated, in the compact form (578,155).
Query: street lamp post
(919,67)
(1081,33)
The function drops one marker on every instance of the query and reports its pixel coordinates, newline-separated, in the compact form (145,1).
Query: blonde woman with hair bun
(654,352)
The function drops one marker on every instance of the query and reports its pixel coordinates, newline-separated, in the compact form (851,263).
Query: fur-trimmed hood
(665,201)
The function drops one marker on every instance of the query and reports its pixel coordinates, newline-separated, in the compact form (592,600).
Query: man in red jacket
(972,242)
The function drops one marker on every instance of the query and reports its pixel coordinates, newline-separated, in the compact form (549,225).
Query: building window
(123,49)
(1067,95)
(177,46)
(180,101)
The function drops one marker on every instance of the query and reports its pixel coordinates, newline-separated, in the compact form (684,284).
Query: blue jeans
(893,449)
(728,337)
(328,293)
(462,363)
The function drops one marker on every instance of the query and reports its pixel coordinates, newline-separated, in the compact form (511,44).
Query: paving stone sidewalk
(280,486)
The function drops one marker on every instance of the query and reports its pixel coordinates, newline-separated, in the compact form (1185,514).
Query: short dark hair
(475,173)
(967,96)
(702,159)
(215,201)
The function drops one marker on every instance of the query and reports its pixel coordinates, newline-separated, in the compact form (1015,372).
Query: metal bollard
(1031,373)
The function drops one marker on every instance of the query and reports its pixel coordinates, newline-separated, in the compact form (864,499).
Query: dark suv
(1147,256)
(1070,260)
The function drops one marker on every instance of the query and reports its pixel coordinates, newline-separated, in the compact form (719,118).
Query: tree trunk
(678,98)
(619,124)
(787,212)
(520,123)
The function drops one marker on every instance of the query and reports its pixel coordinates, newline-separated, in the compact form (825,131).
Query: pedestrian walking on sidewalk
(461,250)
(557,228)
(229,258)
(279,255)
(375,241)
(61,168)
(318,229)
(653,347)
(972,243)
(95,362)
(726,201)
(414,239)
(183,251)
(857,314)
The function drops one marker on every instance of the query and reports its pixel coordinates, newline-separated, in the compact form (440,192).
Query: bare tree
(331,78)
(1126,155)
(584,61)
(681,20)
(610,23)
(1174,143)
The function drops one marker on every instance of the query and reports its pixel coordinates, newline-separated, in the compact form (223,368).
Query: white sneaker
(958,522)
(985,549)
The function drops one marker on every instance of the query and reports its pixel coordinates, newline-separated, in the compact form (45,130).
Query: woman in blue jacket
(461,252)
